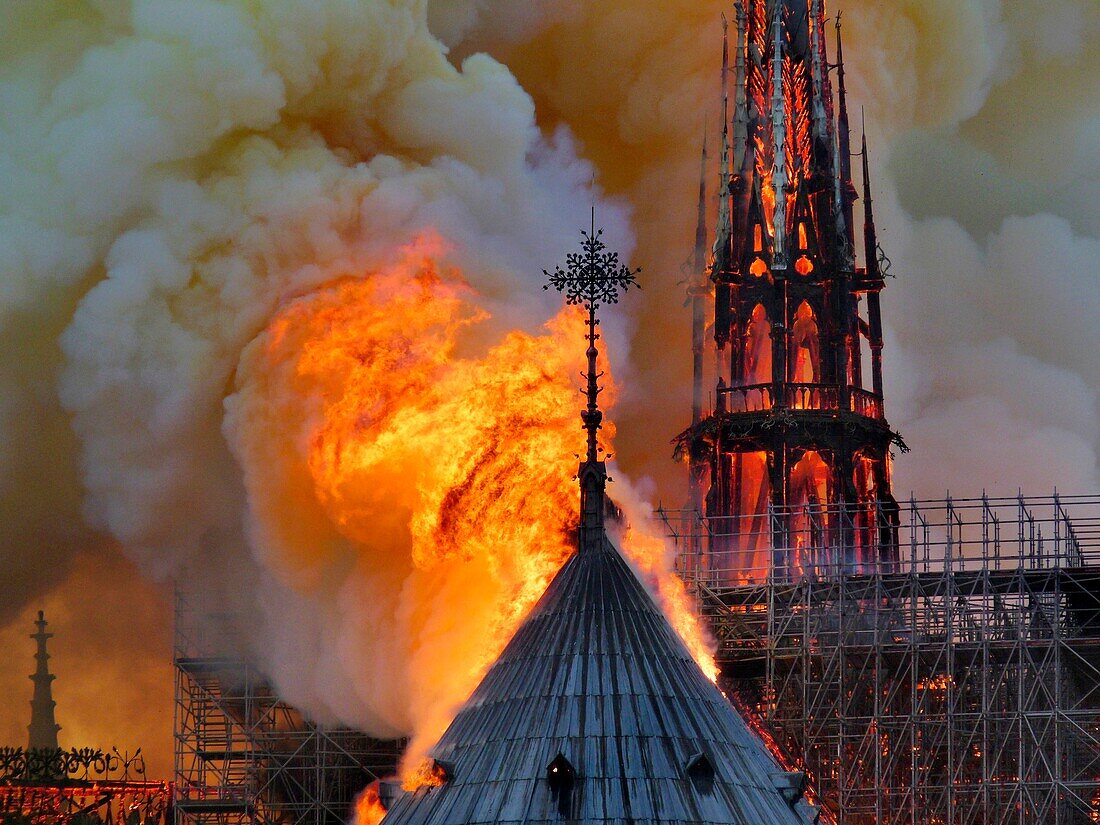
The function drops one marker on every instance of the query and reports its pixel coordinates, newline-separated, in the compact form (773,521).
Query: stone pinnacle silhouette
(43,727)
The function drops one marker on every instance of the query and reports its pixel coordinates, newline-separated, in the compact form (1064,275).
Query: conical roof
(597,685)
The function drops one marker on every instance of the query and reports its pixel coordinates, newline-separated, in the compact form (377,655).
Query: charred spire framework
(796,427)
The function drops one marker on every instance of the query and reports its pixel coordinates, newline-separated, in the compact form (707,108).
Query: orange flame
(764,154)
(435,457)
(754,721)
(427,774)
(368,808)
(649,554)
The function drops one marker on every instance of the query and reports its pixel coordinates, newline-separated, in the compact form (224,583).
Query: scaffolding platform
(956,682)
(245,757)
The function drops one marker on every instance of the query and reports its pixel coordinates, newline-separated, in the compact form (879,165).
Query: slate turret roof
(596,713)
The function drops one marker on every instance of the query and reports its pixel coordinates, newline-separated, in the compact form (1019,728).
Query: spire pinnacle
(592,277)
(43,727)
(698,289)
(821,123)
(699,261)
(870,236)
(740,113)
(846,192)
(724,230)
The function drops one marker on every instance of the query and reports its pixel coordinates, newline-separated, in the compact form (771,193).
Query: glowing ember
(106,803)
(753,720)
(938,683)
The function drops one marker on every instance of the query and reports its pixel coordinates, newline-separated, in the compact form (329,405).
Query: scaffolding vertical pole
(914,662)
(876,647)
(1058,704)
(1019,709)
(842,693)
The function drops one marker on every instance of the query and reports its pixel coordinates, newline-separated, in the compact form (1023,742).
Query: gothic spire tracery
(794,416)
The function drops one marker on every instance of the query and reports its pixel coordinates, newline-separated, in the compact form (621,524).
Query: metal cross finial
(592,277)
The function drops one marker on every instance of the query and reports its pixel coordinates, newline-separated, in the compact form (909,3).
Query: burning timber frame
(244,757)
(954,683)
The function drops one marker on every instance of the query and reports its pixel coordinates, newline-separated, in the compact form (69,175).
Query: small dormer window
(791,786)
(803,240)
(758,238)
(758,268)
(700,770)
(561,776)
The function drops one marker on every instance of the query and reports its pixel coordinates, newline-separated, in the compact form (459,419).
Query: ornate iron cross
(592,277)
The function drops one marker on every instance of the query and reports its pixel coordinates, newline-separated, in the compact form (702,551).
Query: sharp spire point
(699,263)
(723,230)
(870,236)
(779,149)
(845,190)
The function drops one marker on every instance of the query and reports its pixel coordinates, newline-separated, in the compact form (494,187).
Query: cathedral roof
(596,713)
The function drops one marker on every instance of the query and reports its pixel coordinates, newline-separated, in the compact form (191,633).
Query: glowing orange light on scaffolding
(938,683)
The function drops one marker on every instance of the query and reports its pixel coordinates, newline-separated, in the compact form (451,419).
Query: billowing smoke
(183,178)
(191,185)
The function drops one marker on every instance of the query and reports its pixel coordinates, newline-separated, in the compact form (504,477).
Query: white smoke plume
(179,173)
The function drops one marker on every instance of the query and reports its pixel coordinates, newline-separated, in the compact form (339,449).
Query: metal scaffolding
(955,682)
(244,756)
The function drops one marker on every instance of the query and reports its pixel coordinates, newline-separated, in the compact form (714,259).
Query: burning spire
(591,277)
(43,727)
(788,330)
